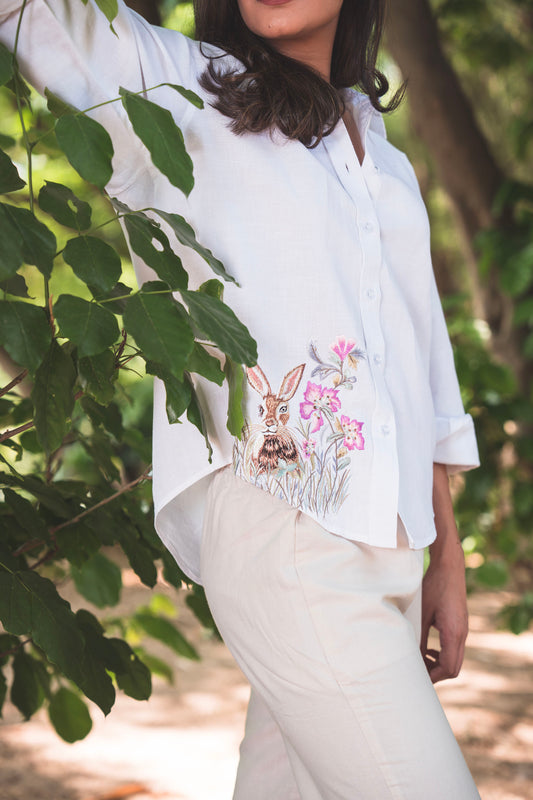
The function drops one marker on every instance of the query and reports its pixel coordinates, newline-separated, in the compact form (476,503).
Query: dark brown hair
(275,91)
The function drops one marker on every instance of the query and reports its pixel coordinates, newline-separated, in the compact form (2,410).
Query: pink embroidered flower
(330,398)
(311,407)
(352,433)
(342,346)
(308,447)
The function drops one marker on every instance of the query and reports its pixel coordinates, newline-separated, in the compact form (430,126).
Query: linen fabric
(355,394)
(327,631)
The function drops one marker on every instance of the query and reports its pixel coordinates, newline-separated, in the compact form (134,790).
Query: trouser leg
(316,623)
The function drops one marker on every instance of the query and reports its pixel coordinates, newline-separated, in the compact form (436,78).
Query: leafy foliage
(74,457)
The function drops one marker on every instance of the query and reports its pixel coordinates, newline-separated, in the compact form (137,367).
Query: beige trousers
(327,632)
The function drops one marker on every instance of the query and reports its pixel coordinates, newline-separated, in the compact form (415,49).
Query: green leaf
(185,234)
(156,665)
(97,374)
(203,363)
(178,393)
(7,642)
(53,397)
(195,415)
(213,287)
(108,416)
(139,555)
(109,8)
(99,580)
(114,300)
(221,325)
(188,94)
(26,693)
(235,375)
(96,684)
(132,676)
(77,542)
(94,261)
(156,323)
(24,240)
(6,65)
(24,332)
(56,105)
(197,602)
(91,327)
(157,130)
(16,285)
(62,204)
(31,606)
(26,514)
(10,180)
(88,147)
(3,692)
(141,233)
(163,630)
(69,715)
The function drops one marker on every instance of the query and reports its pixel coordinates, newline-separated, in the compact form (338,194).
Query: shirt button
(385,430)
(377,358)
(347,167)
(371,293)
(368,227)
(376,168)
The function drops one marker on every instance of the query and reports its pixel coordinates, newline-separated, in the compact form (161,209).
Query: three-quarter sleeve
(71,49)
(455,438)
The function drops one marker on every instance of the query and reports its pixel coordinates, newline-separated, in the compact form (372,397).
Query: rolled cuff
(455,443)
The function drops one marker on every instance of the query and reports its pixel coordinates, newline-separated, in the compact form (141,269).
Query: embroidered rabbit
(271,441)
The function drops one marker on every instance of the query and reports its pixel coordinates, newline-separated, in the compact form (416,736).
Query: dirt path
(182,744)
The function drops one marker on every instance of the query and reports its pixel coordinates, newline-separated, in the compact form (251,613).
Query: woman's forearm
(447,545)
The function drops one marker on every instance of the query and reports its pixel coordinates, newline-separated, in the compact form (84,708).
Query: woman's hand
(444,588)
(444,608)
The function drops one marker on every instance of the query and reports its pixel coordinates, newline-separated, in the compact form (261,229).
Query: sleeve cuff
(455,443)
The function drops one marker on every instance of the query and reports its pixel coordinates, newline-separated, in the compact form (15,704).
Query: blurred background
(467,125)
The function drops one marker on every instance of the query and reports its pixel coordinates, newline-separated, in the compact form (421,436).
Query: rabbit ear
(258,380)
(290,383)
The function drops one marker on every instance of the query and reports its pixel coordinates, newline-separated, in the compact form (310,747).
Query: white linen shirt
(356,393)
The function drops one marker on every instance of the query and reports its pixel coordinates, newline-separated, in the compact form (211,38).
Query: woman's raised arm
(71,49)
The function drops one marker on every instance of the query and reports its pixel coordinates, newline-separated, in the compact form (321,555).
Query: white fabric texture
(356,393)
(327,631)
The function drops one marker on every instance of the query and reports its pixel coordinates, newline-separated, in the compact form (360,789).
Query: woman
(316,520)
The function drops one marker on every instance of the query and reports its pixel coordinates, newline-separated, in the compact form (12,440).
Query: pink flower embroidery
(308,447)
(342,346)
(330,398)
(352,433)
(311,408)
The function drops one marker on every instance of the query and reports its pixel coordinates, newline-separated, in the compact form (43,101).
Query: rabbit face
(275,441)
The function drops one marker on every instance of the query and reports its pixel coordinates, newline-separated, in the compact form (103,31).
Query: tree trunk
(443,118)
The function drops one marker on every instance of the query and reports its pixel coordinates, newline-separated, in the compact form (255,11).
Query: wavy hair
(275,91)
